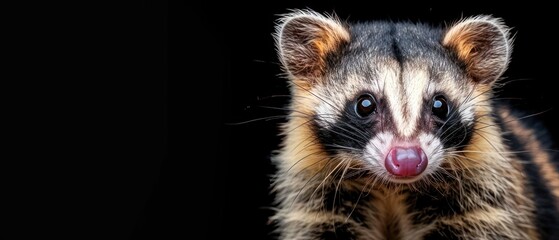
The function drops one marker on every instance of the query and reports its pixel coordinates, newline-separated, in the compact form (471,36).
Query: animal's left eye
(440,107)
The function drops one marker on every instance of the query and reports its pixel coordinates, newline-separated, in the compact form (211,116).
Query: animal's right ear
(304,39)
(483,44)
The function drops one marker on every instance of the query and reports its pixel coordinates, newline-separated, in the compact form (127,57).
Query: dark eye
(440,107)
(365,105)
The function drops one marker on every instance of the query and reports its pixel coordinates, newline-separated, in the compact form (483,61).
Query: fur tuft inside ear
(304,38)
(483,44)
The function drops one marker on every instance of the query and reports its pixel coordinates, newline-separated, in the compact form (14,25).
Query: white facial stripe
(406,100)
(464,97)
(331,102)
(466,111)
(432,147)
(415,83)
(328,107)
(356,83)
(393,94)
(326,114)
(377,148)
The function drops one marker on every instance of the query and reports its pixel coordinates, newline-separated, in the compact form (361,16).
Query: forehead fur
(382,38)
(385,54)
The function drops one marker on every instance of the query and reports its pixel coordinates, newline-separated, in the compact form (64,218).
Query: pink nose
(406,161)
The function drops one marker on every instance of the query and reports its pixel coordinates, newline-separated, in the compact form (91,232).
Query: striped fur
(488,175)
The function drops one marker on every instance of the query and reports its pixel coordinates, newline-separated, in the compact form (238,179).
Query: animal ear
(304,39)
(482,43)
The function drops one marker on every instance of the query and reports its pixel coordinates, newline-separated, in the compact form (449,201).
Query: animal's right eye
(365,105)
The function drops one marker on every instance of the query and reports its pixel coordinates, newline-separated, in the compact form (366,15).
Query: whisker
(269,118)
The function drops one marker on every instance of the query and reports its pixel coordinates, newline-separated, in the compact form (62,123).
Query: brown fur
(540,155)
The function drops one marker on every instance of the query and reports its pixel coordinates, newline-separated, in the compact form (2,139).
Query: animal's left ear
(483,44)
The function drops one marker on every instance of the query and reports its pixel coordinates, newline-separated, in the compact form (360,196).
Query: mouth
(404,180)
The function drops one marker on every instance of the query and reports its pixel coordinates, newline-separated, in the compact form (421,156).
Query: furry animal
(394,132)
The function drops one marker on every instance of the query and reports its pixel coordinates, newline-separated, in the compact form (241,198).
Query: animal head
(400,100)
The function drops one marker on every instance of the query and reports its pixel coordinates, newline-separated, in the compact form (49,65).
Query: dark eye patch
(353,129)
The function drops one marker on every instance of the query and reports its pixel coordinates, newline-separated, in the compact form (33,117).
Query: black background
(149,99)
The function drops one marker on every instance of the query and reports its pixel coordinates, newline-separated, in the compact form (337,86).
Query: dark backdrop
(159,149)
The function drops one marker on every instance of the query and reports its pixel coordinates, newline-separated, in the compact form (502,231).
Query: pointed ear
(304,39)
(482,43)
